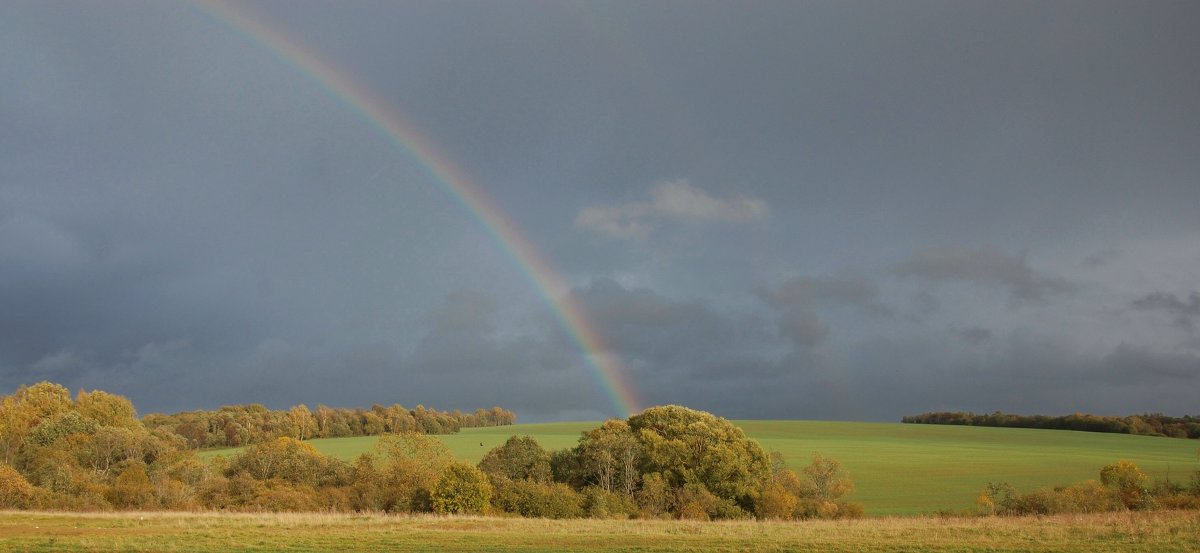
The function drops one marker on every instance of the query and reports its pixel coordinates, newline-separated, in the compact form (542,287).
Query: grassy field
(897,468)
(211,532)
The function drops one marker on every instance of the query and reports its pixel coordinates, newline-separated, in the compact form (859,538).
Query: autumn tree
(461,489)
(106,409)
(697,449)
(290,460)
(1128,482)
(15,491)
(27,408)
(822,489)
(410,465)
(304,424)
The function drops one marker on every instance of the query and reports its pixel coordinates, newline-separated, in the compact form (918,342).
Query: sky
(803,210)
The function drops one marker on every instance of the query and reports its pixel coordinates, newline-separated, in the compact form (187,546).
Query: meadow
(1159,532)
(898,469)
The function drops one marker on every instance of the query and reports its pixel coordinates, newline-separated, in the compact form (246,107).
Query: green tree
(689,447)
(519,458)
(654,499)
(462,489)
(609,457)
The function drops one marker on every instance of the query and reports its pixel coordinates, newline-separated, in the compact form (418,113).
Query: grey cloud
(800,300)
(974,334)
(1101,258)
(987,265)
(666,334)
(1185,312)
(1022,373)
(1130,364)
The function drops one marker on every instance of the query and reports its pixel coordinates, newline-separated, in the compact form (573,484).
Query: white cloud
(674,200)
(680,200)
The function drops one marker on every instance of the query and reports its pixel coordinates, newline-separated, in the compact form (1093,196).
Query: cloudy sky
(833,210)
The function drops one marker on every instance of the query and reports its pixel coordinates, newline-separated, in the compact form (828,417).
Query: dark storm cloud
(191,220)
(664,338)
(1129,364)
(988,266)
(800,299)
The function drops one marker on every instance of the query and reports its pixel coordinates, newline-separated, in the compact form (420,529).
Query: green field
(896,468)
(1154,532)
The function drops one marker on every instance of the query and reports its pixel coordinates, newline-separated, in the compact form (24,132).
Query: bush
(15,491)
(1086,497)
(132,489)
(697,503)
(283,497)
(289,459)
(598,503)
(654,499)
(461,489)
(540,500)
(776,502)
(1128,481)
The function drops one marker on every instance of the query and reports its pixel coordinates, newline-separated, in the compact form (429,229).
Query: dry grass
(344,533)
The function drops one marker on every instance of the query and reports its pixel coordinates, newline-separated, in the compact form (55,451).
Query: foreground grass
(898,469)
(213,532)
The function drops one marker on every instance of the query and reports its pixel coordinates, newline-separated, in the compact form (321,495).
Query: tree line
(91,452)
(241,425)
(1148,424)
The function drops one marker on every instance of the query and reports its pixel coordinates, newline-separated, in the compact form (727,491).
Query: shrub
(15,491)
(289,459)
(282,497)
(132,489)
(598,503)
(1086,497)
(654,499)
(1128,481)
(461,489)
(540,500)
(696,502)
(776,502)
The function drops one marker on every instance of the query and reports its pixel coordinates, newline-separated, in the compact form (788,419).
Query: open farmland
(897,468)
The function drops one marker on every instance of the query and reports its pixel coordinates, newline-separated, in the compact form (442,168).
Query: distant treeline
(241,425)
(1149,424)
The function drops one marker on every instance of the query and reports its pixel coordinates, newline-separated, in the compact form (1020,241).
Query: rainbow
(605,367)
